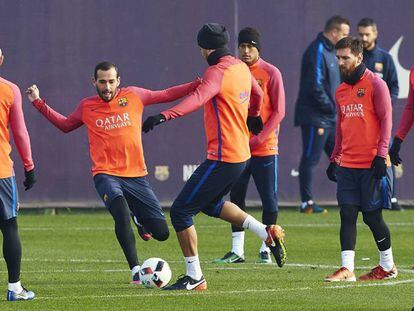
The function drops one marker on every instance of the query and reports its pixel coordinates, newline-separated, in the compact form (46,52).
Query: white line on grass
(245,266)
(293,265)
(230,292)
(389,283)
(110,228)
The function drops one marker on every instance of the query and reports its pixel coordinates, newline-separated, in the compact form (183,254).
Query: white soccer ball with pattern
(155,273)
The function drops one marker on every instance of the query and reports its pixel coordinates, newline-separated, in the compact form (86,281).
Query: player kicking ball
(230,96)
(113,120)
(359,162)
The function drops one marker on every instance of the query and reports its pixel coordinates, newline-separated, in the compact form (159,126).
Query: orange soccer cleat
(341,275)
(378,273)
(276,243)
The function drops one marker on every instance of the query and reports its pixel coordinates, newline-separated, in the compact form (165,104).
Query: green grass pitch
(73,262)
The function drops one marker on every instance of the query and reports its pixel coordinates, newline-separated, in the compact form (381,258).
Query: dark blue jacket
(318,81)
(380,62)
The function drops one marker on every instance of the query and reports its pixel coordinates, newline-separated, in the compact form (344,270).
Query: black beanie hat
(213,36)
(251,36)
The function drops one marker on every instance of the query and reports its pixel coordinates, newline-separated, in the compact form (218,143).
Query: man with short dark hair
(263,147)
(380,62)
(359,162)
(113,120)
(315,110)
(231,98)
(11,115)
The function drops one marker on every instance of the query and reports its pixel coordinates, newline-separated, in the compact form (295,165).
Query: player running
(359,162)
(230,96)
(11,114)
(263,147)
(113,120)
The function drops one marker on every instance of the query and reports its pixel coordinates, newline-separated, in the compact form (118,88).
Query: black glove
(331,171)
(395,151)
(30,179)
(379,166)
(255,124)
(152,121)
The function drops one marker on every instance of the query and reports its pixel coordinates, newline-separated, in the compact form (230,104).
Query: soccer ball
(155,273)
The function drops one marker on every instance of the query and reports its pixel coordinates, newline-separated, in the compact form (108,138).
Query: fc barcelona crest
(379,67)
(123,101)
(162,172)
(360,92)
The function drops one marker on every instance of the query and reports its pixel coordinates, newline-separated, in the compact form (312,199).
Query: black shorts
(204,192)
(357,186)
(9,198)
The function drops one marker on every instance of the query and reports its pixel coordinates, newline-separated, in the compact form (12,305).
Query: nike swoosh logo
(381,240)
(267,164)
(192,286)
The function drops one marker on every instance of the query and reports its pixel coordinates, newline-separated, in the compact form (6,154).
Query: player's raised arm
(65,124)
(205,91)
(149,97)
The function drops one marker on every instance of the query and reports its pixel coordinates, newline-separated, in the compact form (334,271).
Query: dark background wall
(56,45)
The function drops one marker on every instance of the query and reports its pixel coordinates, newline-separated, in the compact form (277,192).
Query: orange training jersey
(114,134)
(114,128)
(364,122)
(225,93)
(11,113)
(273,108)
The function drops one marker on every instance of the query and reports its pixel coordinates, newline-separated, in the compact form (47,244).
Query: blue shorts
(9,198)
(359,187)
(204,192)
(136,190)
(264,172)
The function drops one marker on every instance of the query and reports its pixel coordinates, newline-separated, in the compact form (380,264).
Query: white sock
(347,260)
(135,270)
(237,243)
(193,267)
(264,248)
(386,259)
(256,227)
(15,287)
(303,205)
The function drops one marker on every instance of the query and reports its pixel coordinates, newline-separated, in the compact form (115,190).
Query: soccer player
(263,147)
(113,121)
(360,162)
(380,62)
(315,110)
(405,125)
(11,114)
(231,98)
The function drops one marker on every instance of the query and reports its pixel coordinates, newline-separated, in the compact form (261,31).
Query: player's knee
(162,235)
(158,228)
(349,213)
(9,225)
(372,218)
(179,219)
